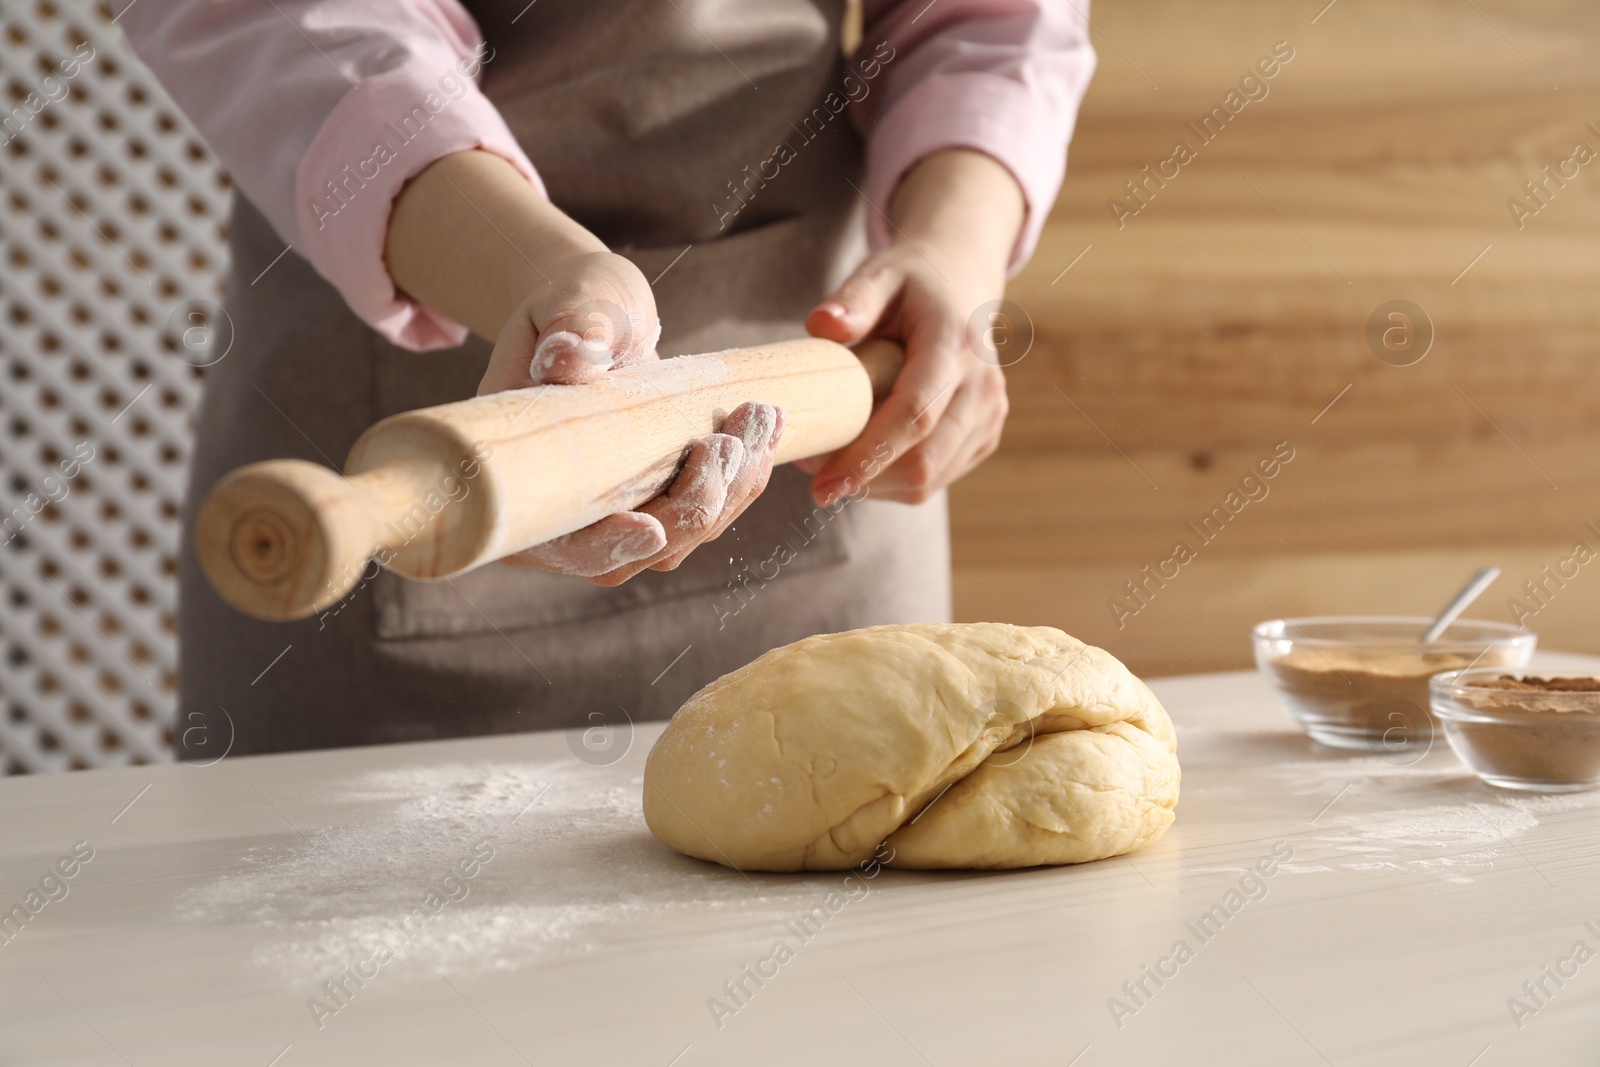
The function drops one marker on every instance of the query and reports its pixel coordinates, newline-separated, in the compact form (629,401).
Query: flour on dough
(962,745)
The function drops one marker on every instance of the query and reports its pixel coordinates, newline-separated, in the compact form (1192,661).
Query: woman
(546,177)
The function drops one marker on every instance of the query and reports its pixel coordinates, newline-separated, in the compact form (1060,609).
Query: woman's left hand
(956,217)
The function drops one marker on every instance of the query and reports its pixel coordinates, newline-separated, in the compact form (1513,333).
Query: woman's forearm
(470,237)
(960,201)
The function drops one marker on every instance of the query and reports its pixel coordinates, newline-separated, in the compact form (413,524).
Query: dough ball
(960,745)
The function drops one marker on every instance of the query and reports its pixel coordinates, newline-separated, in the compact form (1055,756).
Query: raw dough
(960,745)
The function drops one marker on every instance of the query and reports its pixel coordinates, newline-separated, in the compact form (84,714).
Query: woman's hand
(595,313)
(722,475)
(956,216)
(472,238)
(598,314)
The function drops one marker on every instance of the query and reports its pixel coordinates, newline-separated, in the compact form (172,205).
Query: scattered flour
(668,377)
(1464,835)
(572,870)
(1450,839)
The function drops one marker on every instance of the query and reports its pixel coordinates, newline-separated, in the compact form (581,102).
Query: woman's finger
(978,450)
(812,464)
(758,427)
(508,364)
(985,437)
(942,457)
(614,541)
(563,357)
(934,369)
(850,312)
(691,504)
(599,314)
(581,343)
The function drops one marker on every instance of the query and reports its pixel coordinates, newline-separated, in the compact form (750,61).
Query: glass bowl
(1361,681)
(1531,739)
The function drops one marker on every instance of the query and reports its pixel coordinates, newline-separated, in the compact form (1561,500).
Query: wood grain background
(1228,314)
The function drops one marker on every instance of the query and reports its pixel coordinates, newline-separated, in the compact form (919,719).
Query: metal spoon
(1469,592)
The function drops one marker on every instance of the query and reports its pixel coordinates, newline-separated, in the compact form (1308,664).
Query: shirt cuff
(383,133)
(987,113)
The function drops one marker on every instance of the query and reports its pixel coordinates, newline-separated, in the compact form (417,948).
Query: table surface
(220,900)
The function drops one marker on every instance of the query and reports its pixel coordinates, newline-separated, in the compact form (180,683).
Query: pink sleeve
(1003,77)
(322,110)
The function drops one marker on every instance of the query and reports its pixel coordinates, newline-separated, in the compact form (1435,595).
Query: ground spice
(1533,730)
(1354,691)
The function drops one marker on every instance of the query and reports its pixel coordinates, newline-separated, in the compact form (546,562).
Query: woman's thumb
(581,343)
(849,313)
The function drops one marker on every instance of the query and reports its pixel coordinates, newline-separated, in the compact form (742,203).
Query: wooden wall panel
(1232,309)
(1204,617)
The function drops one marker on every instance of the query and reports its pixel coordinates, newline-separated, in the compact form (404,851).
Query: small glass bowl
(1537,741)
(1361,681)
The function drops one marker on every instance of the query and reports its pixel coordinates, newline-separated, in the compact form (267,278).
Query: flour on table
(1383,828)
(571,871)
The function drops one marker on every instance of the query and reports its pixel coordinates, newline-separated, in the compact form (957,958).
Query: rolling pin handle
(883,360)
(282,540)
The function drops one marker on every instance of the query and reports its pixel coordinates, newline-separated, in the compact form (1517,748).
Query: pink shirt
(1004,77)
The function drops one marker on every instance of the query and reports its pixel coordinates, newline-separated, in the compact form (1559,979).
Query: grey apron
(641,117)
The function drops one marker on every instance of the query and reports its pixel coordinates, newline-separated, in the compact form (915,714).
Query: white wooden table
(219,900)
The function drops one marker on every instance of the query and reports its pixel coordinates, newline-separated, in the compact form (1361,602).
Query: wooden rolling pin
(439,491)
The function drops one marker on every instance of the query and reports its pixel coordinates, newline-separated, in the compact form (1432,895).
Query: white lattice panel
(113,219)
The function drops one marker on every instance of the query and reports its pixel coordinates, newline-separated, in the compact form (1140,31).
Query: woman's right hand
(594,312)
(473,238)
(597,314)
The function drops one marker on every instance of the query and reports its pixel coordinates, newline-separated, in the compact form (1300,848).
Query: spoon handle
(1469,592)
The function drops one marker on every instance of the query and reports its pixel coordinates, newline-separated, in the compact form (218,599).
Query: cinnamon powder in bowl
(1522,731)
(1361,682)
